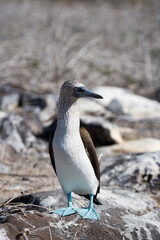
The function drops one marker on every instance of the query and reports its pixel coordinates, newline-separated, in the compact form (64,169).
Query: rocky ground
(130,168)
(113,48)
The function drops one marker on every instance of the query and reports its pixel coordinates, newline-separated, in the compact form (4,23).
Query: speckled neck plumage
(68,114)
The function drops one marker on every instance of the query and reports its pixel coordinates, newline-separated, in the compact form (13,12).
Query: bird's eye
(76,89)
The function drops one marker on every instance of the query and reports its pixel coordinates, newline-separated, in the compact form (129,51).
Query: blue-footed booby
(72,152)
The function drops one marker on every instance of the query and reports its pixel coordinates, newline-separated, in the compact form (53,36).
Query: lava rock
(120,217)
(132,171)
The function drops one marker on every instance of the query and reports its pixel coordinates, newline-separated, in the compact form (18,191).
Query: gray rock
(9,102)
(115,106)
(42,105)
(122,101)
(120,217)
(132,171)
(3,114)
(4,168)
(90,106)
(50,109)
(7,153)
(15,132)
(133,146)
(32,121)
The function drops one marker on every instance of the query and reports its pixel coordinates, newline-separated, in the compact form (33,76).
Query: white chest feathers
(74,169)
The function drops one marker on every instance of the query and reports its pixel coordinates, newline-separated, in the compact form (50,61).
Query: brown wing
(51,153)
(91,152)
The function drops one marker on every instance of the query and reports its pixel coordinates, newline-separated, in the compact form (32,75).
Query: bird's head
(77,90)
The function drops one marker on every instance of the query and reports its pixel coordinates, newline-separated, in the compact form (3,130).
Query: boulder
(128,133)
(134,171)
(3,168)
(32,121)
(90,106)
(9,102)
(50,109)
(3,114)
(7,153)
(42,105)
(102,131)
(15,132)
(133,146)
(122,101)
(120,217)
(7,156)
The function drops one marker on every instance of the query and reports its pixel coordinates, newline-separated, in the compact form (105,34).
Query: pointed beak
(90,94)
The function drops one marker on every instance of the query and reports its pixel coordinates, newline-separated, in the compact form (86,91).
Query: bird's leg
(66,211)
(89,213)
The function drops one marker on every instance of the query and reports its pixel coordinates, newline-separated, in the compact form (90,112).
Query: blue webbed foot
(89,213)
(64,211)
